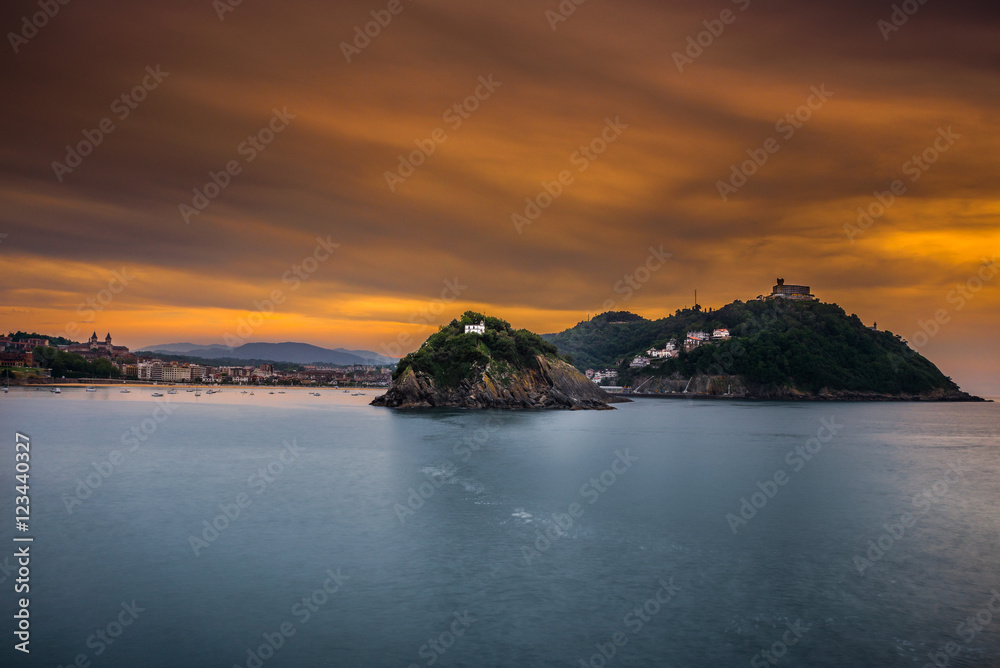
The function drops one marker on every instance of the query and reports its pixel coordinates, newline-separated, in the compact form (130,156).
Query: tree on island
(449,355)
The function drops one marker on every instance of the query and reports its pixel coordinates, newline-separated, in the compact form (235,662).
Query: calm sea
(296,530)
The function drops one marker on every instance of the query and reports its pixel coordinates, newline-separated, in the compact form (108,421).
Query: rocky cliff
(552,384)
(737,387)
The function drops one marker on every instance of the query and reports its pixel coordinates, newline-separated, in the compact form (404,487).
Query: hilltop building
(782,291)
(95,348)
(476,329)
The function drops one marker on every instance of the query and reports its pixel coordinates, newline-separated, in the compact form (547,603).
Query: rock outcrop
(736,387)
(553,384)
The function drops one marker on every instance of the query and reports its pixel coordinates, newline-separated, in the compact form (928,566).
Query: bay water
(300,530)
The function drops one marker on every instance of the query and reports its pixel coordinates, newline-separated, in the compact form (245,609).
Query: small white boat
(55,391)
(157,394)
(125,392)
(171,391)
(197,394)
(91,389)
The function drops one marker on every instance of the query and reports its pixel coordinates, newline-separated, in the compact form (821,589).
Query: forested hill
(806,345)
(495,367)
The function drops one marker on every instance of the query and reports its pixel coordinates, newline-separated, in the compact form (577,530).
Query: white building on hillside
(668,351)
(606,374)
(720,334)
(476,329)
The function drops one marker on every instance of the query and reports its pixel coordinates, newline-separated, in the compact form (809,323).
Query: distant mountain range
(295,353)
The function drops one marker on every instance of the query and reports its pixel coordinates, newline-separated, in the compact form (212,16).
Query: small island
(479,361)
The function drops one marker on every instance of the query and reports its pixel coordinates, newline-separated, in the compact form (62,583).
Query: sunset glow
(917,106)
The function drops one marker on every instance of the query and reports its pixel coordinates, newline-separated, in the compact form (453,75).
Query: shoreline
(113,385)
(972,399)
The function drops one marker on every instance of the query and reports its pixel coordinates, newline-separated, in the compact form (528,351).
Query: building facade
(782,291)
(16,360)
(172,373)
(95,348)
(150,371)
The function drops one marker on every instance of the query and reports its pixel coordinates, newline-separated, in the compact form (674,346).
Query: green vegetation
(73,365)
(451,355)
(618,317)
(807,345)
(53,340)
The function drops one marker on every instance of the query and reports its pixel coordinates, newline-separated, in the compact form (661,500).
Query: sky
(260,171)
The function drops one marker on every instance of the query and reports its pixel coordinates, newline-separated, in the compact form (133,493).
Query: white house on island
(476,329)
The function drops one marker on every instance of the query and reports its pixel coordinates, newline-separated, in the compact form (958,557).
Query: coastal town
(22,358)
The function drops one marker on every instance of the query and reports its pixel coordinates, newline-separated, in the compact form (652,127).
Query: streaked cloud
(656,185)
